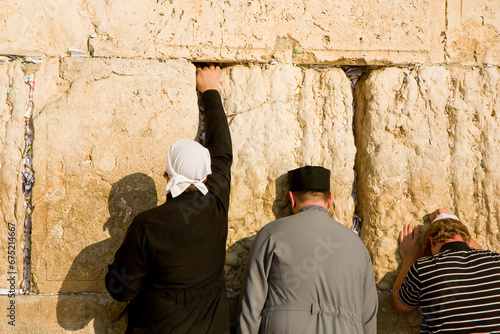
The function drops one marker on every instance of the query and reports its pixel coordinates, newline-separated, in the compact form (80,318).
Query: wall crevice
(28,183)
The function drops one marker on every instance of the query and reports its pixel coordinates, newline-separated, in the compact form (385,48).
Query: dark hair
(440,230)
(311,195)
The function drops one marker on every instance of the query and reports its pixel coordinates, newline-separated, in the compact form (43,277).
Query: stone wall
(101,170)
(298,31)
(428,137)
(424,132)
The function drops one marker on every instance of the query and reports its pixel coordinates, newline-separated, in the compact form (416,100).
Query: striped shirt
(458,290)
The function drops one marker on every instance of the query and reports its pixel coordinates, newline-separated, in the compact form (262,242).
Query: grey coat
(308,274)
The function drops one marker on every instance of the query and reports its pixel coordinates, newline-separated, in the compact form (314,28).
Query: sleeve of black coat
(125,275)
(218,142)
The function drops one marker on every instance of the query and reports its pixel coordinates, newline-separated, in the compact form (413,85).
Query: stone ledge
(389,320)
(99,313)
(229,30)
(53,314)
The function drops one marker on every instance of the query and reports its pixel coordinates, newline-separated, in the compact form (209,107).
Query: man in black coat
(171,263)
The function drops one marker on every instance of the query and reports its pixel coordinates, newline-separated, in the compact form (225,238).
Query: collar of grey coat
(313,207)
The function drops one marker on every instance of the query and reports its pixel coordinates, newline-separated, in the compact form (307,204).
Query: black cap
(309,178)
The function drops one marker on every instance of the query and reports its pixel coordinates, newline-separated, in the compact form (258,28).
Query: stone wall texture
(100,150)
(294,117)
(14,99)
(429,137)
(107,85)
(346,31)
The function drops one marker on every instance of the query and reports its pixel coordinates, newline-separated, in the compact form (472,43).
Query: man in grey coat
(308,273)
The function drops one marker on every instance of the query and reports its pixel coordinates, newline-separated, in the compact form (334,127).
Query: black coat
(171,263)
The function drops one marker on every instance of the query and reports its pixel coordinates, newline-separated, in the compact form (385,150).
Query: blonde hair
(441,230)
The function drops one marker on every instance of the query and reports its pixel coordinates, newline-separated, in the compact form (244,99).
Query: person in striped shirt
(457,285)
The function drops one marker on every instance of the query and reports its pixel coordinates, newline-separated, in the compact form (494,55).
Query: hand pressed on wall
(410,250)
(207,78)
(409,247)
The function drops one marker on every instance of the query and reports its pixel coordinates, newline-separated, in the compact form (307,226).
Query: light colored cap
(445,216)
(188,163)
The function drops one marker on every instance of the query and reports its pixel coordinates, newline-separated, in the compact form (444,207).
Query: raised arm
(217,135)
(410,251)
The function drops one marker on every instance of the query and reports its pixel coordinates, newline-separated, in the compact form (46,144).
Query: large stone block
(426,138)
(346,32)
(99,155)
(475,155)
(403,156)
(389,320)
(14,99)
(282,117)
(45,27)
(54,314)
(473,33)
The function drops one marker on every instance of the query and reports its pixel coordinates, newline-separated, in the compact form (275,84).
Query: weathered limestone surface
(44,27)
(348,32)
(53,314)
(391,321)
(14,95)
(345,32)
(282,117)
(99,157)
(475,131)
(403,154)
(473,32)
(426,138)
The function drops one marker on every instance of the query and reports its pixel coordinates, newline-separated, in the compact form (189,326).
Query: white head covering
(445,216)
(188,163)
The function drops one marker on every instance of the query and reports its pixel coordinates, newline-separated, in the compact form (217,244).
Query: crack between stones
(28,176)
(428,103)
(353,74)
(445,40)
(249,110)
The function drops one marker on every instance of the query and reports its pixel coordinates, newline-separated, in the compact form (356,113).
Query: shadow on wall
(83,295)
(236,259)
(237,254)
(281,205)
(390,320)
(386,283)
